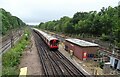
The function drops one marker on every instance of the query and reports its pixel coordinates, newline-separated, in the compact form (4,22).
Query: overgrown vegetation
(9,22)
(11,58)
(101,64)
(104,24)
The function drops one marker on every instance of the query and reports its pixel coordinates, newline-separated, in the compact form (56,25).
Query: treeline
(9,22)
(104,24)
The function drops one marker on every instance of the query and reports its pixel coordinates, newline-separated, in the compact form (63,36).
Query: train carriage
(51,41)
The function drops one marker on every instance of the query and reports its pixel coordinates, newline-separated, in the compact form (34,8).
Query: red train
(51,41)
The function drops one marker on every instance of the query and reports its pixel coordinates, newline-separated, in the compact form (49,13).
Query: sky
(35,11)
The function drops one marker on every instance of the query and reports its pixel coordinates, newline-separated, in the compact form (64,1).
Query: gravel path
(31,60)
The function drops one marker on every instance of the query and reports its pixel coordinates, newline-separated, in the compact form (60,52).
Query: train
(51,41)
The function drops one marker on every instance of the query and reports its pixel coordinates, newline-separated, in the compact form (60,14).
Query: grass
(11,59)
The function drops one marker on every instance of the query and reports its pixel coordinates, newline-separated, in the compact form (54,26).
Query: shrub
(104,37)
(101,64)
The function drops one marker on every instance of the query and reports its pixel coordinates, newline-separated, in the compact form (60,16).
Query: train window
(54,42)
(50,43)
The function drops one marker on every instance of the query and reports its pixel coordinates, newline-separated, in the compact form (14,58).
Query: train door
(52,42)
(55,42)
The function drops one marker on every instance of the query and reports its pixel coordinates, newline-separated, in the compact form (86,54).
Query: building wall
(78,51)
(90,51)
(69,46)
(118,67)
(112,62)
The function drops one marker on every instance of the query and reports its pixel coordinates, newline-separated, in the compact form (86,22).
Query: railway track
(6,44)
(53,62)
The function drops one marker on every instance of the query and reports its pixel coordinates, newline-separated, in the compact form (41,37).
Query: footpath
(30,59)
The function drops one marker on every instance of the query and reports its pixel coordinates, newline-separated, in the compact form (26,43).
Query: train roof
(49,37)
(82,42)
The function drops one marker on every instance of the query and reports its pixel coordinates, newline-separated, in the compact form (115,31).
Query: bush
(101,64)
(118,44)
(10,71)
(104,37)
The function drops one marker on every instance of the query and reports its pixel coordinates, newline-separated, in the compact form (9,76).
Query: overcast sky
(36,11)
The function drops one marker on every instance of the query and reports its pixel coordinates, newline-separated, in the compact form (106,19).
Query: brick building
(82,49)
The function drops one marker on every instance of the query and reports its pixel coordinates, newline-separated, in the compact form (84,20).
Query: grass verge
(11,58)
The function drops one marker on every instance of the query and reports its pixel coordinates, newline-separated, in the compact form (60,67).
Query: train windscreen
(54,42)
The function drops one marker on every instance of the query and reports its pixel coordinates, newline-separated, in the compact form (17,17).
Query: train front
(54,43)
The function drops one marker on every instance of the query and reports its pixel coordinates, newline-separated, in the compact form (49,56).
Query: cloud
(35,11)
